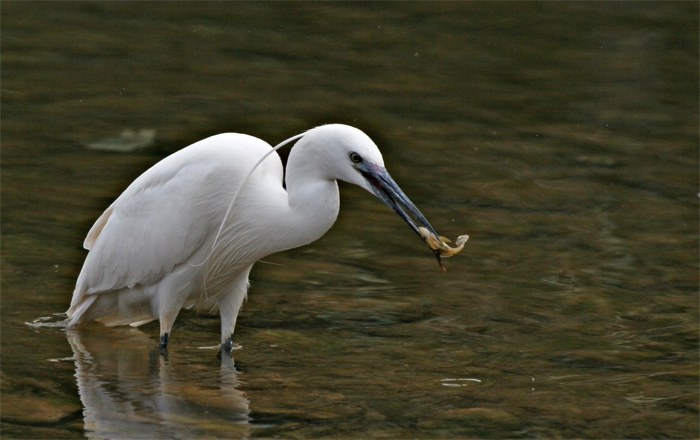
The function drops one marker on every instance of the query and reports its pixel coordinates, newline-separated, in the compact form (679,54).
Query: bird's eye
(355,157)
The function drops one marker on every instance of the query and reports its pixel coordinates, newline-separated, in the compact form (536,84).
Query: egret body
(174,239)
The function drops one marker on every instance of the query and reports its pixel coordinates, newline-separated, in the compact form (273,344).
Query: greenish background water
(561,136)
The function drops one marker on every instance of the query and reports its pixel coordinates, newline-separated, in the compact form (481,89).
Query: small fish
(439,245)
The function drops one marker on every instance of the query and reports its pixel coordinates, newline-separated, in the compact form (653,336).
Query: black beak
(389,192)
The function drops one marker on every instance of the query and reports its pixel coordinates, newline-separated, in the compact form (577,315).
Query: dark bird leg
(227,346)
(163,341)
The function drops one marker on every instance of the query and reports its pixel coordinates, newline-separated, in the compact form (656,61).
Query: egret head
(346,153)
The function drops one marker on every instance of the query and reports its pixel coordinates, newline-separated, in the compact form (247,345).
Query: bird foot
(227,346)
(163,345)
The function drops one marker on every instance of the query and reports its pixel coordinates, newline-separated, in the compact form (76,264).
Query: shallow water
(562,137)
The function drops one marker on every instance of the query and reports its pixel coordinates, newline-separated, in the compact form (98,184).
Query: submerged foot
(163,342)
(227,346)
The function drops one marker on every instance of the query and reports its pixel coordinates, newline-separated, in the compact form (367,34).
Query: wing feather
(166,214)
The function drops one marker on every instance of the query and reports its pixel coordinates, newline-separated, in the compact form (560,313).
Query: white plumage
(150,253)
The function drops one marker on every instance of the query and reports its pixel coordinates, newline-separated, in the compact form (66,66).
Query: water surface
(562,137)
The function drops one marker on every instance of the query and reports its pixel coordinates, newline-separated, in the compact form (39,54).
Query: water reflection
(562,136)
(130,391)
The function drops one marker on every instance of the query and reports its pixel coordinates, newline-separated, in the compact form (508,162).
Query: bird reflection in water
(130,391)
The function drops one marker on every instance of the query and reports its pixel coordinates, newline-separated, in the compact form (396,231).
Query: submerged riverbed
(562,137)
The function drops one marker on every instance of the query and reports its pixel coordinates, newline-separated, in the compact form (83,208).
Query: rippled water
(562,137)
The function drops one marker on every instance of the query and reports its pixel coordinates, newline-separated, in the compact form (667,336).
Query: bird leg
(163,341)
(166,307)
(227,345)
(229,306)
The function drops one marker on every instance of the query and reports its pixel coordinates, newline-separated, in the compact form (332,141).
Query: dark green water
(562,137)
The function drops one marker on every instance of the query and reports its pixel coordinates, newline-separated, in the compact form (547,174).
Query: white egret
(187,232)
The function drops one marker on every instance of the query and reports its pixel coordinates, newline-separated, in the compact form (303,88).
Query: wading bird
(187,232)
